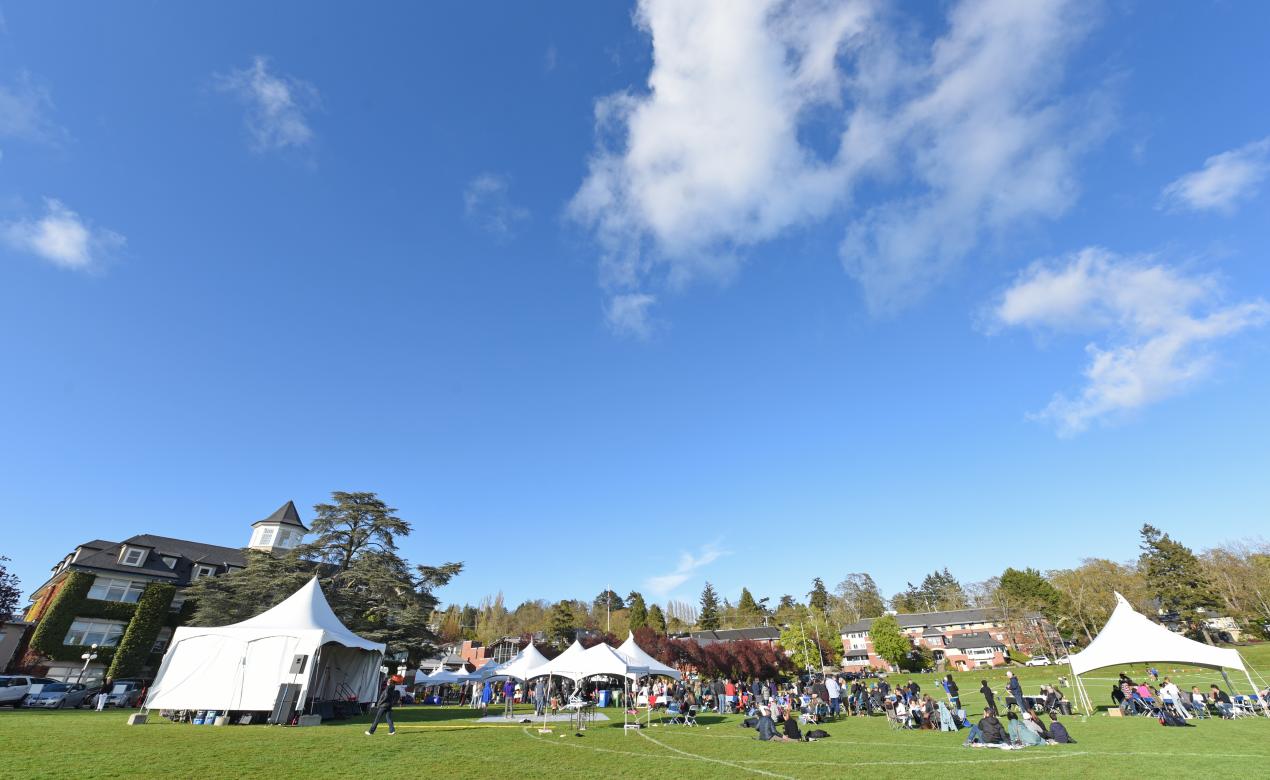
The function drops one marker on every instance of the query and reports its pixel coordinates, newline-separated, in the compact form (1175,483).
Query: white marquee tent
(1130,637)
(441,676)
(241,666)
(636,656)
(522,665)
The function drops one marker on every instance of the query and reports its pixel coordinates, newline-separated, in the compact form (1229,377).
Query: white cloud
(24,112)
(1157,325)
(1225,179)
(61,237)
(689,564)
(727,147)
(487,204)
(627,313)
(277,105)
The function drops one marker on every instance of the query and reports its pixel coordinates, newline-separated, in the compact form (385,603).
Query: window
(105,633)
(177,601)
(169,561)
(266,536)
(161,643)
(204,571)
(110,589)
(132,556)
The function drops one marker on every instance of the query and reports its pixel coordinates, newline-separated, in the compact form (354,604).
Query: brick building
(959,639)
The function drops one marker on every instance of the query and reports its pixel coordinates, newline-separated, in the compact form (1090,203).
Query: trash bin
(606,698)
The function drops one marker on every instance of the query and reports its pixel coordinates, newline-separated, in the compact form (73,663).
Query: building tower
(280,531)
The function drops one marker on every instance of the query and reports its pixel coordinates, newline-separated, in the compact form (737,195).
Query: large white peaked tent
(1130,637)
(522,666)
(635,655)
(241,666)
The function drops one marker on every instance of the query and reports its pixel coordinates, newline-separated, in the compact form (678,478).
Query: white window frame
(267,535)
(203,570)
(125,556)
(85,631)
(115,589)
(177,601)
(162,640)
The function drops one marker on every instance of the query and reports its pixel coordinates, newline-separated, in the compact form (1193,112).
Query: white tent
(1131,637)
(522,666)
(241,666)
(602,659)
(442,676)
(569,664)
(635,655)
(490,671)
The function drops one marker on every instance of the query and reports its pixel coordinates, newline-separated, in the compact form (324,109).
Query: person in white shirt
(1170,691)
(835,695)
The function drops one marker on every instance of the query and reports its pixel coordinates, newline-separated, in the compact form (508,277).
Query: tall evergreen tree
(708,618)
(657,619)
(608,600)
(638,616)
(818,597)
(747,609)
(562,624)
(786,602)
(1175,577)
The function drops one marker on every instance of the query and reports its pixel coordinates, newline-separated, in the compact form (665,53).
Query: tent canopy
(635,655)
(240,666)
(1131,637)
(523,665)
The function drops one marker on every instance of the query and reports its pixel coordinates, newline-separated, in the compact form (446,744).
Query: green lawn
(447,741)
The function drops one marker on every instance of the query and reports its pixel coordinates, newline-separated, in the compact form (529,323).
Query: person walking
(388,698)
(1016,690)
(509,698)
(988,695)
(954,695)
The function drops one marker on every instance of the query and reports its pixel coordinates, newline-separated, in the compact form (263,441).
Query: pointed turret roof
(286,515)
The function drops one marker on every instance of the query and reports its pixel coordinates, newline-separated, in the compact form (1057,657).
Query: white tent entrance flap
(1130,637)
(240,667)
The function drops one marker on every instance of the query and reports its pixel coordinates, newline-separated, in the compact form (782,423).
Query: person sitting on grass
(1035,725)
(792,732)
(1020,735)
(1058,732)
(987,732)
(766,727)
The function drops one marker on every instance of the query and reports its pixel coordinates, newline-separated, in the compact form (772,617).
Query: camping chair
(673,713)
(690,717)
(1241,707)
(894,719)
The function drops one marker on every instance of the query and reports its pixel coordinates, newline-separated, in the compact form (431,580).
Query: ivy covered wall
(151,611)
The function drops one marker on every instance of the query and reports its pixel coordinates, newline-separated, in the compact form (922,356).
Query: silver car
(56,696)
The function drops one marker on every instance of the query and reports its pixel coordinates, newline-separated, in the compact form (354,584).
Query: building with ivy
(127,597)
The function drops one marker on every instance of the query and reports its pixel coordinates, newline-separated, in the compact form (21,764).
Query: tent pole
(1265,708)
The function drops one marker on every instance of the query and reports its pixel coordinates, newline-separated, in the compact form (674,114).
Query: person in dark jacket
(766,727)
(1016,690)
(988,731)
(1058,732)
(388,698)
(988,695)
(954,695)
(792,732)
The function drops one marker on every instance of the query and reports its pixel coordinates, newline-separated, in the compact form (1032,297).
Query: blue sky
(639,296)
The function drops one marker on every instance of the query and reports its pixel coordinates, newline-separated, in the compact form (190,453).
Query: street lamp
(88,657)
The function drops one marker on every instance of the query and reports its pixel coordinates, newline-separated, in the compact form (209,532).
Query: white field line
(707,759)
(602,750)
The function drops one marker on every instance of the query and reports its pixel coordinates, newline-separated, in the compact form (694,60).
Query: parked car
(1061,661)
(15,687)
(1038,660)
(125,693)
(60,695)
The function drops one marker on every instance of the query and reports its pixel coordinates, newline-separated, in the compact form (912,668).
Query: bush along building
(127,597)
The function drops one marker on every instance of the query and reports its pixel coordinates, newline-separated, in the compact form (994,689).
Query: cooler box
(606,698)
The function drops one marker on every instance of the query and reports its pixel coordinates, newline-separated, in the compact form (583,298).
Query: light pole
(88,657)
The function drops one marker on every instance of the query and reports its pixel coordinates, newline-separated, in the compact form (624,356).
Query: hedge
(138,639)
(56,623)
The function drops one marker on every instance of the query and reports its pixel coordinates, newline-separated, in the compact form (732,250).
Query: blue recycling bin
(606,698)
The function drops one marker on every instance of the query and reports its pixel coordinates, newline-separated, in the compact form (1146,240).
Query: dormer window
(169,561)
(204,571)
(132,556)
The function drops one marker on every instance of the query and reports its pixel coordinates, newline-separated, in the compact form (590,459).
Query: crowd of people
(1165,700)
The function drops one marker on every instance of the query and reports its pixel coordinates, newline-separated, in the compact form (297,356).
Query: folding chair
(675,715)
(690,717)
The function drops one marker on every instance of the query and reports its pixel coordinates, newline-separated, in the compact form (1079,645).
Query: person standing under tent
(487,694)
(540,697)
(509,698)
(388,698)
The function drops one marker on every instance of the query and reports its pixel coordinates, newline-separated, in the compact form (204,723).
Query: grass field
(447,742)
